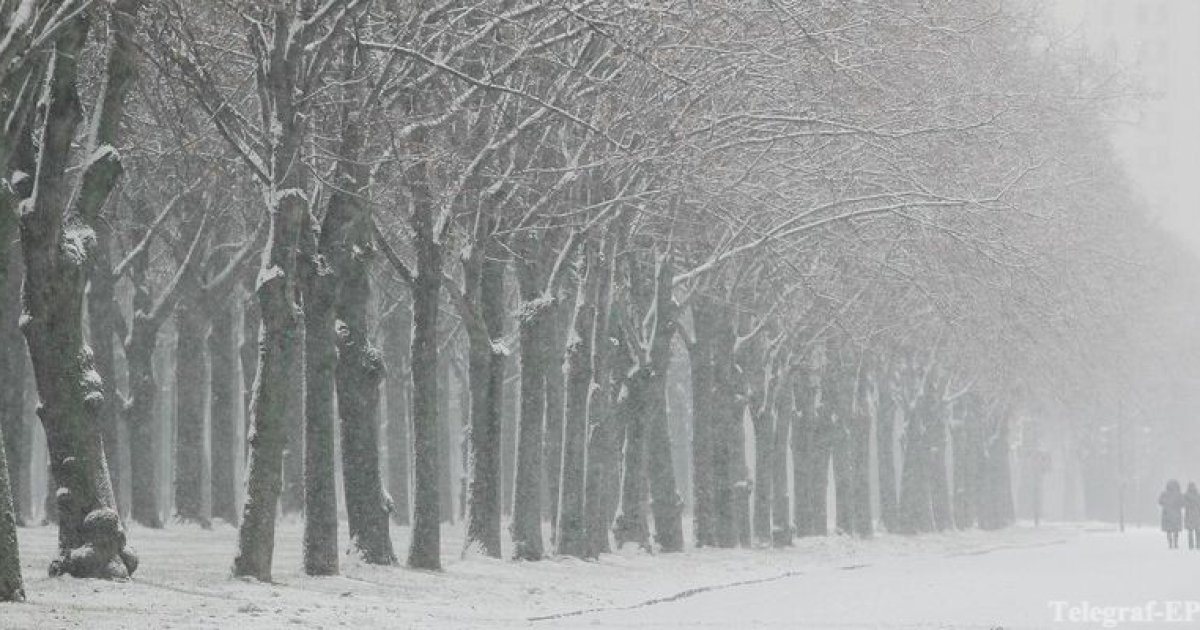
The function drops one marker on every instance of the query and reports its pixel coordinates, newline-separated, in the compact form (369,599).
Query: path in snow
(1009,588)
(966,580)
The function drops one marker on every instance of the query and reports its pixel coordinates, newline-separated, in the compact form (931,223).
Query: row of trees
(874,234)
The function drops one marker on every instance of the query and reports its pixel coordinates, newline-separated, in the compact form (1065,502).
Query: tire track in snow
(700,590)
(691,592)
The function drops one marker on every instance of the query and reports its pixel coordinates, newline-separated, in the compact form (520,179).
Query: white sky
(1159,40)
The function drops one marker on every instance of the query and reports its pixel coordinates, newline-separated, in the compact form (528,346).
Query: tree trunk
(163,429)
(445,446)
(838,385)
(360,367)
(280,333)
(292,501)
(464,438)
(939,483)
(704,421)
(785,410)
(486,372)
(602,481)
(600,474)
(319,487)
(916,509)
(967,444)
(764,444)
(1000,454)
(17,444)
(190,324)
(631,525)
(425,549)
(823,437)
(223,403)
(12,587)
(509,419)
(666,504)
(56,236)
(13,369)
(359,373)
(843,472)
(278,338)
(728,411)
(743,485)
(101,339)
(861,521)
(397,331)
(558,324)
(885,437)
(248,359)
(534,332)
(91,196)
(49,509)
(141,416)
(996,504)
(571,538)
(804,453)
(527,511)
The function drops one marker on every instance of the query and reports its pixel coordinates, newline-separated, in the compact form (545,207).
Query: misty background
(1150,48)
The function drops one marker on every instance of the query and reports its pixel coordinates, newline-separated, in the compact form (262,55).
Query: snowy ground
(963,580)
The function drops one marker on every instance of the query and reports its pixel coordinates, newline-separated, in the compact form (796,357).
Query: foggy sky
(1158,41)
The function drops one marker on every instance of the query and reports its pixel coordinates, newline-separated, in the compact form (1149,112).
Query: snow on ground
(957,580)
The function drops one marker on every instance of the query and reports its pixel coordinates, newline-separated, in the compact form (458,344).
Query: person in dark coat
(1191,515)
(1172,502)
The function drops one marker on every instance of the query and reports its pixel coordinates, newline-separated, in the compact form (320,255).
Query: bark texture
(57,236)
(666,504)
(320,493)
(292,499)
(190,461)
(359,372)
(632,524)
(535,332)
(781,528)
(803,453)
(13,367)
(279,335)
(700,361)
(885,436)
(425,548)
(223,401)
(101,339)
(12,587)
(572,534)
(487,363)
(397,333)
(603,438)
(360,368)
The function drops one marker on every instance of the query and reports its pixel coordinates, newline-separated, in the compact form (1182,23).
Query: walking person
(1172,502)
(1191,515)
